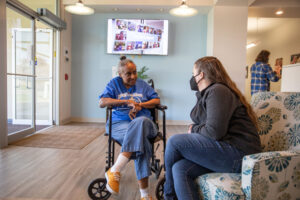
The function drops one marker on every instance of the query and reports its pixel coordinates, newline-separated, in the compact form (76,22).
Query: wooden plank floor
(28,173)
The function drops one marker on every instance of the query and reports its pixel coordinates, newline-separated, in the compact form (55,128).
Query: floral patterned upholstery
(221,186)
(275,173)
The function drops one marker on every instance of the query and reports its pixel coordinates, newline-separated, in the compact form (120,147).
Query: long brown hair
(215,72)
(263,56)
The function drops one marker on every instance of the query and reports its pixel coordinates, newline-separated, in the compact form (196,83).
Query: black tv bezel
(114,53)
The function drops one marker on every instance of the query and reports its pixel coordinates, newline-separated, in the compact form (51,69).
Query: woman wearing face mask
(223,131)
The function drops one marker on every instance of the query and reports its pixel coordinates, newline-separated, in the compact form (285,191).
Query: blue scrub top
(140,92)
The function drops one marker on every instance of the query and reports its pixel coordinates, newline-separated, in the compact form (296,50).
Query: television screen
(137,36)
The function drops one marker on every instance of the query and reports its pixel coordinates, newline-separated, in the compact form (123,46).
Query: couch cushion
(220,186)
(278,119)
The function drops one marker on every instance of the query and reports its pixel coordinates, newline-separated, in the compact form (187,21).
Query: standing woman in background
(262,73)
(222,133)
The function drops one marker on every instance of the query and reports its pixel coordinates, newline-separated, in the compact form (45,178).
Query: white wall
(3,79)
(210,33)
(282,42)
(229,40)
(65,68)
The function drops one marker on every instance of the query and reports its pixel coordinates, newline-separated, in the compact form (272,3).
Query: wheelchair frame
(97,188)
(155,163)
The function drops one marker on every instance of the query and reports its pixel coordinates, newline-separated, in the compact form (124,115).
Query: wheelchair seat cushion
(220,186)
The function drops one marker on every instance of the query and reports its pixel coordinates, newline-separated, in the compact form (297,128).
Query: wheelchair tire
(97,189)
(159,191)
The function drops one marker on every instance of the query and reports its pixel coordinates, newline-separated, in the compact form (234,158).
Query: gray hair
(123,63)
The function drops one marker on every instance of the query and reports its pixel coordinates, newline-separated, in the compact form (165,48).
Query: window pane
(19,103)
(19,61)
(43,99)
(19,43)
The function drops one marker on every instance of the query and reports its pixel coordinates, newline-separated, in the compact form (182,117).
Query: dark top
(220,115)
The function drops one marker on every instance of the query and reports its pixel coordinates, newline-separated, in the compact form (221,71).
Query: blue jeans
(191,155)
(134,137)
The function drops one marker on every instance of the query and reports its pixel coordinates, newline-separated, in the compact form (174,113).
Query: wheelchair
(97,188)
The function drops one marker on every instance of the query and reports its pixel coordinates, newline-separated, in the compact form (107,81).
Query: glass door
(44,75)
(20,73)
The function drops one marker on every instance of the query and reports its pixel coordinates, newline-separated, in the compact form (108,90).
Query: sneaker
(146,198)
(113,181)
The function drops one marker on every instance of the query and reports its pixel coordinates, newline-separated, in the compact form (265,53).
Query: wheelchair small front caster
(97,189)
(159,191)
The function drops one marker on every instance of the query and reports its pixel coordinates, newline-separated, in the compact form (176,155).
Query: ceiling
(261,13)
(258,25)
(262,17)
(257,8)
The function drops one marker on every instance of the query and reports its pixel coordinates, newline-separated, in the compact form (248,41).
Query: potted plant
(142,75)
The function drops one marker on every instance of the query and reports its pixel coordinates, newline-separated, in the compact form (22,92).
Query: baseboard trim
(89,120)
(102,120)
(176,122)
(65,121)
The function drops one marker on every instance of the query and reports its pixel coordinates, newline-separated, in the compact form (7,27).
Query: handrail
(26,75)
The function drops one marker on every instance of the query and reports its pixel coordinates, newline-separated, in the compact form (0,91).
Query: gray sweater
(220,115)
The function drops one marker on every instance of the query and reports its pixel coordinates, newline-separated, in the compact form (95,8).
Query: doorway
(30,69)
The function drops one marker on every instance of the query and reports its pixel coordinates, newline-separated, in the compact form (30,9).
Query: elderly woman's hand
(136,107)
(130,103)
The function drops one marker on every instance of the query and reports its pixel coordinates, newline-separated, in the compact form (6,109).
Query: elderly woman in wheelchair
(131,126)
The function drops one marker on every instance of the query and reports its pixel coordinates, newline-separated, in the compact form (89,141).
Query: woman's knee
(174,141)
(142,120)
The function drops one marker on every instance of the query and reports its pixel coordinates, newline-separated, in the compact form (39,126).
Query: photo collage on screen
(142,36)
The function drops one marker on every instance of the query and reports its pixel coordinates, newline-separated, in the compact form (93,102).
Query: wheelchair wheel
(97,189)
(159,191)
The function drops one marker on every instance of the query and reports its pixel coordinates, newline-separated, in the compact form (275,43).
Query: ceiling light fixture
(279,12)
(79,9)
(183,10)
(252,44)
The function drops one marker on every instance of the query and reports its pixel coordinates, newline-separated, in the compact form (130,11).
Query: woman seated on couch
(223,131)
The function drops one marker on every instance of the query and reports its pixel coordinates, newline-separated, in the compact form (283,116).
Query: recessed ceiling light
(279,12)
(138,9)
(115,9)
(161,10)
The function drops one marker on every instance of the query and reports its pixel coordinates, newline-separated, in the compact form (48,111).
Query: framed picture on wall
(278,64)
(295,58)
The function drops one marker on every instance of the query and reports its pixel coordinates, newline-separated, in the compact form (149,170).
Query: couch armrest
(271,175)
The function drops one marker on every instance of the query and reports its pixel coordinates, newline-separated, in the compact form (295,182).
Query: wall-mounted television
(137,36)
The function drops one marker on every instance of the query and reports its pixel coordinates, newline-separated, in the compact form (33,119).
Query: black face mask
(194,84)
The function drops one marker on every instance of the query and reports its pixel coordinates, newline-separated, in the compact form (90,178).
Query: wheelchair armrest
(109,107)
(161,107)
